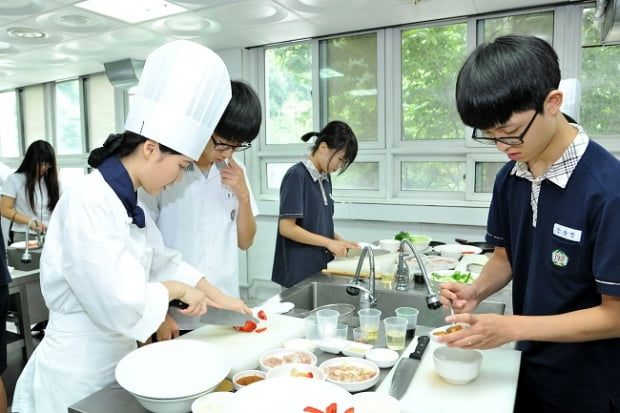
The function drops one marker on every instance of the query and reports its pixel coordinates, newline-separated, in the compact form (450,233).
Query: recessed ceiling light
(134,11)
(26,33)
(74,19)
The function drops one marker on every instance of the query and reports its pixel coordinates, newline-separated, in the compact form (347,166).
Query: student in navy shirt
(306,240)
(554,220)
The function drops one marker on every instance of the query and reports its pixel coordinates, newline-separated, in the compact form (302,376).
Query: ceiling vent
(610,30)
(124,74)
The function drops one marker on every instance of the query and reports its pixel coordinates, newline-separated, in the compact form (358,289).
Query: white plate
(348,365)
(454,250)
(22,244)
(433,334)
(375,402)
(160,370)
(289,395)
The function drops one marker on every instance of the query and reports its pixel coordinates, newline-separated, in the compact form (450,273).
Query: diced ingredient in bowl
(296,357)
(456,276)
(449,330)
(244,381)
(349,372)
(297,373)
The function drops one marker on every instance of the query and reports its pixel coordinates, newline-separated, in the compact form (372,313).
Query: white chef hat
(183,91)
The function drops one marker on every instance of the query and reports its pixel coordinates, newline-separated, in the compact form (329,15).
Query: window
(68,118)
(533,24)
(33,108)
(100,109)
(9,137)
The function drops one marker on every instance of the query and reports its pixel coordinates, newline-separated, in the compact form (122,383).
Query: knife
(403,374)
(219,316)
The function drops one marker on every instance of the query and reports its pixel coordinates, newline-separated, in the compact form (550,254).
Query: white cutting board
(383,263)
(492,391)
(245,348)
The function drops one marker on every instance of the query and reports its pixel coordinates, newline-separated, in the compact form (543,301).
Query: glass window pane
(275,173)
(68,118)
(100,104)
(288,72)
(33,114)
(432,176)
(485,175)
(9,138)
(349,83)
(431,59)
(359,175)
(534,24)
(600,95)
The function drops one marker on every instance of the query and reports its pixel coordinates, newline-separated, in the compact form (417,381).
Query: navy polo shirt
(301,198)
(564,264)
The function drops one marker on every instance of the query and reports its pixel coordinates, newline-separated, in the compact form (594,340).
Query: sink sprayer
(368,298)
(432,300)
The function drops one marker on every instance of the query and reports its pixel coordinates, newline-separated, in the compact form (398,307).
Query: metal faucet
(368,298)
(432,300)
(26,256)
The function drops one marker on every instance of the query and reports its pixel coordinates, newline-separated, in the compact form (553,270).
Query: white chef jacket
(198,217)
(100,280)
(15,187)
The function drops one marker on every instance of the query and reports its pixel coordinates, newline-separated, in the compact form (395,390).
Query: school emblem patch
(559,258)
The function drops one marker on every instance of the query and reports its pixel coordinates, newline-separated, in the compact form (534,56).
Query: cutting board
(245,348)
(383,263)
(492,391)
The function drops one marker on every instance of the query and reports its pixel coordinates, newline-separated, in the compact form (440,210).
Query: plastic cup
(395,331)
(411,314)
(311,328)
(327,320)
(370,320)
(341,331)
(358,336)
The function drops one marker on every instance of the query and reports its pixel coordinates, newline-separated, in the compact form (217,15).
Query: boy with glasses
(209,215)
(554,220)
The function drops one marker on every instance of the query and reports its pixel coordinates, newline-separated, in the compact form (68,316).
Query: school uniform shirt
(198,217)
(561,235)
(306,195)
(15,187)
(101,280)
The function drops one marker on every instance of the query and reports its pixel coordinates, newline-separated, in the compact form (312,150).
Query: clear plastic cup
(327,320)
(311,328)
(370,320)
(342,330)
(411,314)
(358,336)
(395,331)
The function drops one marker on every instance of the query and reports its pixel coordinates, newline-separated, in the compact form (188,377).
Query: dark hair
(511,74)
(241,120)
(337,135)
(39,152)
(120,145)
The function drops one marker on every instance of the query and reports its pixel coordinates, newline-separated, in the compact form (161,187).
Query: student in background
(306,240)
(5,279)
(212,203)
(554,219)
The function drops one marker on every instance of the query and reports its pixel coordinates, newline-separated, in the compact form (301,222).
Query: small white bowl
(296,370)
(456,251)
(215,402)
(279,356)
(456,365)
(257,375)
(351,373)
(420,242)
(390,245)
(384,357)
(356,349)
(437,332)
(333,345)
(300,344)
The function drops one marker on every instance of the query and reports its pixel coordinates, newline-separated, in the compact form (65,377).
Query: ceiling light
(134,11)
(26,33)
(74,20)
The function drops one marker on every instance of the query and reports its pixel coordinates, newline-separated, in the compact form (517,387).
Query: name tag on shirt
(567,233)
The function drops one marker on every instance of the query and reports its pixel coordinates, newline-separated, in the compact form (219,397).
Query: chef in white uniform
(105,274)
(215,205)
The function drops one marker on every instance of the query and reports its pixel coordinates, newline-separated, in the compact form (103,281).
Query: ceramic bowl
(443,330)
(375,402)
(456,365)
(214,402)
(456,251)
(351,373)
(420,242)
(296,370)
(246,377)
(354,349)
(384,357)
(173,405)
(279,356)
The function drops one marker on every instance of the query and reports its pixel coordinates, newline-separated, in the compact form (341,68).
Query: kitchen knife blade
(403,374)
(220,316)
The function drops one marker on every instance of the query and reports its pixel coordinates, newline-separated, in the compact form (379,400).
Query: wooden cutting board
(245,348)
(493,390)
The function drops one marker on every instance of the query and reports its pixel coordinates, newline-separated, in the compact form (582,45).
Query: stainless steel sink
(14,258)
(308,295)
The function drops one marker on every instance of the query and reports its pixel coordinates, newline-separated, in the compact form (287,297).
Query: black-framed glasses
(480,137)
(221,146)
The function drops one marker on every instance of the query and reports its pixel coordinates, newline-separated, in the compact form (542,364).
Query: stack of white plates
(167,376)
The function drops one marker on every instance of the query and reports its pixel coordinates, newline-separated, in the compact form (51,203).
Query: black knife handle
(419,348)
(179,304)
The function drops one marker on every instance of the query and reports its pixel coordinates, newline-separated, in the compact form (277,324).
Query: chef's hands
(195,299)
(168,330)
(465,297)
(231,303)
(340,247)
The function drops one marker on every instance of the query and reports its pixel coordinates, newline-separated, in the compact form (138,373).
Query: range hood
(610,30)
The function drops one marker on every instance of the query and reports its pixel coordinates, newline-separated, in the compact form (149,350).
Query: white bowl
(174,405)
(384,357)
(456,365)
(333,345)
(257,375)
(279,356)
(300,344)
(296,370)
(375,402)
(456,250)
(140,372)
(354,349)
(351,373)
(420,242)
(437,332)
(214,402)
(390,245)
